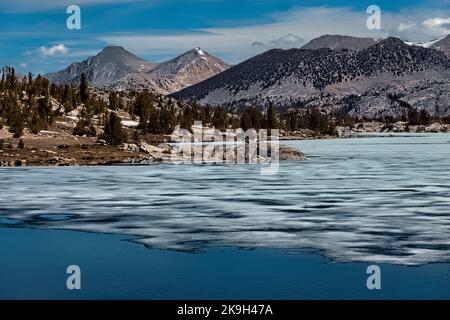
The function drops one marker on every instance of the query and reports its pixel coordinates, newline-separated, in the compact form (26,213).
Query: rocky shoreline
(100,155)
(366,127)
(57,148)
(60,148)
(397,127)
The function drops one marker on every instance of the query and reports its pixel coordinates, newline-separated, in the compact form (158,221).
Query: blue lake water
(198,232)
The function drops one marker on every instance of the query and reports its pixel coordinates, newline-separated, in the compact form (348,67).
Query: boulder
(343,132)
(145,147)
(435,128)
(291,153)
(399,126)
(166,149)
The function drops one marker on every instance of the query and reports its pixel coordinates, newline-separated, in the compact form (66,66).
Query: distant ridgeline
(384,80)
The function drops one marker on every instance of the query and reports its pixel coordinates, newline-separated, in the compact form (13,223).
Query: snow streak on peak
(426,44)
(200,51)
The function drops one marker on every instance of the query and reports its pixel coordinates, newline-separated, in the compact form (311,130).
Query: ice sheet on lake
(370,199)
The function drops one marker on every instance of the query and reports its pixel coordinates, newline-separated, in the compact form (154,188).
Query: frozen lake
(358,201)
(368,200)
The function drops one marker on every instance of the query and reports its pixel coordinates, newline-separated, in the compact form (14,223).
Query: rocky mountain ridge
(386,79)
(117,69)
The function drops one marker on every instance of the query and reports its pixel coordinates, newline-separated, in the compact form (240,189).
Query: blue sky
(34,37)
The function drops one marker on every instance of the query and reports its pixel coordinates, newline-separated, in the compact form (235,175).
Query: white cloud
(406,26)
(23,65)
(53,50)
(436,22)
(235,43)
(441,25)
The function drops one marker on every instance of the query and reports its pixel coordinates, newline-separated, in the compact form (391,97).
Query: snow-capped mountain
(426,44)
(183,71)
(115,68)
(441,44)
(336,42)
(102,70)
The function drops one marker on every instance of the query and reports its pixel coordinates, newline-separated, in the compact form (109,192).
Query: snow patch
(200,51)
(130,123)
(427,44)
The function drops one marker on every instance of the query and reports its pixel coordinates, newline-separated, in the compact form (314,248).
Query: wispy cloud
(231,40)
(406,26)
(438,24)
(235,43)
(422,27)
(44,5)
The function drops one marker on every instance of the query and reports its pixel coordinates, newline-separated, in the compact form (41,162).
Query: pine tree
(114,133)
(425,118)
(115,101)
(315,119)
(246,121)
(292,121)
(220,119)
(84,126)
(67,99)
(2,81)
(154,121)
(187,119)
(141,107)
(38,86)
(256,117)
(84,89)
(235,122)
(11,79)
(271,121)
(30,79)
(112,100)
(136,136)
(17,123)
(167,120)
(36,124)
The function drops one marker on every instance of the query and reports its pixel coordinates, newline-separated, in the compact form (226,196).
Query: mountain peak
(284,76)
(336,42)
(118,52)
(195,52)
(199,51)
(393,41)
(118,69)
(187,69)
(114,49)
(108,48)
(103,69)
(290,38)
